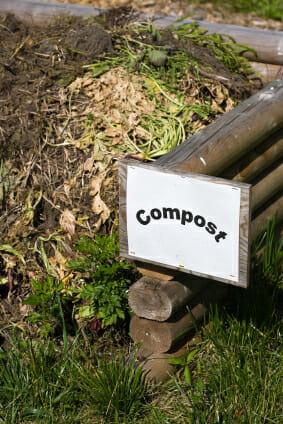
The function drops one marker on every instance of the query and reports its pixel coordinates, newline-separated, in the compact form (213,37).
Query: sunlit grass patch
(42,383)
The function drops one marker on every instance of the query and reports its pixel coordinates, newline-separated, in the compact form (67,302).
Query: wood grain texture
(158,300)
(267,71)
(122,173)
(244,237)
(153,271)
(259,223)
(244,220)
(231,136)
(256,161)
(162,336)
(267,187)
(157,367)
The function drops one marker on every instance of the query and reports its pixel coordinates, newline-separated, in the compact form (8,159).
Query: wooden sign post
(188,222)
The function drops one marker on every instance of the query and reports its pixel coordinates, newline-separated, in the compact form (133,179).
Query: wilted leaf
(9,249)
(68,222)
(100,208)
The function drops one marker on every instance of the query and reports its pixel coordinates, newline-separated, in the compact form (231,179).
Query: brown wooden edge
(245,219)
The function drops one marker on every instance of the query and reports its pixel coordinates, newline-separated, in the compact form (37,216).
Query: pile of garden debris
(77,95)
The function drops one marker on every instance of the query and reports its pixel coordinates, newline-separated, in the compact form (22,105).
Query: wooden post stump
(162,336)
(158,300)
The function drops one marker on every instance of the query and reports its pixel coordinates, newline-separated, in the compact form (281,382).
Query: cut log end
(148,299)
(158,300)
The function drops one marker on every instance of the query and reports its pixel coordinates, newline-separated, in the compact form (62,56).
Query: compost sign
(188,222)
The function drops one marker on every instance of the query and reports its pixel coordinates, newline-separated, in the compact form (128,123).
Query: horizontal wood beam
(231,136)
(267,71)
(154,271)
(256,161)
(37,11)
(267,187)
(267,44)
(275,210)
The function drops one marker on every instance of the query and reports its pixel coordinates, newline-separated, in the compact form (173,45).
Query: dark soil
(32,61)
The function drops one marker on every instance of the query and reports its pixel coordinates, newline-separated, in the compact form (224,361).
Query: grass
(40,382)
(238,372)
(233,375)
(270,9)
(237,378)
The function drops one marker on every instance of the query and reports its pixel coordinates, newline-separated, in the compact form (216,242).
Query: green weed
(98,290)
(185,363)
(48,304)
(268,256)
(35,383)
(103,280)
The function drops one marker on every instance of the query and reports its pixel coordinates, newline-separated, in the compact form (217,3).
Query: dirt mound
(77,95)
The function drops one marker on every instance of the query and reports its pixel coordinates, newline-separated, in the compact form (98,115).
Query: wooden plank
(256,161)
(37,11)
(231,136)
(267,71)
(153,271)
(259,223)
(123,236)
(267,187)
(245,227)
(244,221)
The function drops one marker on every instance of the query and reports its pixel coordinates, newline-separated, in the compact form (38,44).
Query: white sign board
(185,221)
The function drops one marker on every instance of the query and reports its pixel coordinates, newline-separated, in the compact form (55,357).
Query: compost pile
(77,95)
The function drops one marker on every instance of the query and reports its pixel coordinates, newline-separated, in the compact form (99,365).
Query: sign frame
(244,224)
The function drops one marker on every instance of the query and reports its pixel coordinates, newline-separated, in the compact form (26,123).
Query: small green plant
(98,290)
(102,280)
(185,364)
(49,306)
